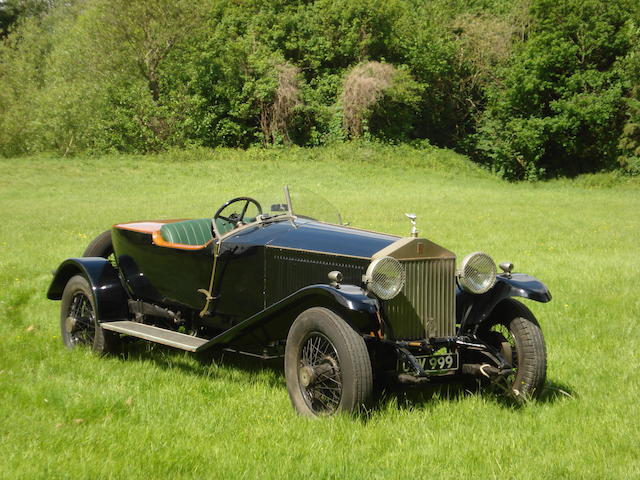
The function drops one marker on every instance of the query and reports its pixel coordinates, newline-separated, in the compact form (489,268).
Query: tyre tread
(101,246)
(523,325)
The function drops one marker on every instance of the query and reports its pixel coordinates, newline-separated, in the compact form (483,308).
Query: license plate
(442,362)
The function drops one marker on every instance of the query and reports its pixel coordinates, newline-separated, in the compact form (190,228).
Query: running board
(156,334)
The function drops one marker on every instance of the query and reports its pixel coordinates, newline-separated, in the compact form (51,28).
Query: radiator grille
(426,305)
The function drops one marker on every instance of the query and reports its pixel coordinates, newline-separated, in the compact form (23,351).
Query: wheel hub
(70,324)
(307,376)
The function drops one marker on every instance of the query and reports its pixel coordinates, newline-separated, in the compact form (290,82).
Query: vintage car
(284,277)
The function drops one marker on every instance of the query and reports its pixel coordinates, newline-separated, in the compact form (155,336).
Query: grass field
(162,414)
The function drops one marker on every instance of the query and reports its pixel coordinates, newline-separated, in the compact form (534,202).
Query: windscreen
(299,202)
(308,204)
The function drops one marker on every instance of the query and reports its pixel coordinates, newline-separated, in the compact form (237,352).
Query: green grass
(161,413)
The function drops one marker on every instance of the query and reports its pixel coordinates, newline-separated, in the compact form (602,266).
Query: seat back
(188,232)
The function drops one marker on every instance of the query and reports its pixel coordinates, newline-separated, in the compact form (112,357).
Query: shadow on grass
(409,397)
(554,391)
(271,372)
(203,364)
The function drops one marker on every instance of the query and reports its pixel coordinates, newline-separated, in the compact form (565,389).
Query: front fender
(350,300)
(472,309)
(109,295)
(349,296)
(526,286)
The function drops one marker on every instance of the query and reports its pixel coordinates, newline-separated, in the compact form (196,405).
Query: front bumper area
(420,361)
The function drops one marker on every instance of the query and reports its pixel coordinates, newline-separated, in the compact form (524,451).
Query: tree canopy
(531,88)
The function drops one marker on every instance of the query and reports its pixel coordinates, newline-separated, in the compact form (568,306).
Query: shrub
(363,87)
(276,112)
(629,140)
(378,98)
(558,108)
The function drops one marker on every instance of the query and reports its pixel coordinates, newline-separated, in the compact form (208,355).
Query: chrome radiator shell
(425,307)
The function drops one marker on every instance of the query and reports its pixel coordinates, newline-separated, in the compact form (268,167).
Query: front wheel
(79,323)
(514,331)
(327,365)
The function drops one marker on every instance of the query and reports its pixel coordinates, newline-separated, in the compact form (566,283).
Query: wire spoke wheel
(327,365)
(319,374)
(505,343)
(516,334)
(81,321)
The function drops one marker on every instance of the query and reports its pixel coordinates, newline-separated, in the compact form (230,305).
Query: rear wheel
(514,331)
(327,365)
(79,323)
(101,246)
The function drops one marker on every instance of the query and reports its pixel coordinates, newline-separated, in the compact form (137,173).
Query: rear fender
(471,310)
(109,296)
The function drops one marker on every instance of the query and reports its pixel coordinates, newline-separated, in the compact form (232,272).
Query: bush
(558,108)
(629,140)
(532,88)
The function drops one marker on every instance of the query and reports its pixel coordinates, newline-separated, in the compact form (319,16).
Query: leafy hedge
(531,88)
(560,104)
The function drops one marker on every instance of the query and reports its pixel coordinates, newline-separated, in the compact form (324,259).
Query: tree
(11,11)
(557,108)
(149,31)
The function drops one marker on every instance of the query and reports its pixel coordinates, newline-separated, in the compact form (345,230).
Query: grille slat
(425,306)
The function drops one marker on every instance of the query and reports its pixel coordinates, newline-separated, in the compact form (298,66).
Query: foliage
(374,97)
(629,140)
(530,88)
(364,86)
(276,112)
(14,11)
(559,107)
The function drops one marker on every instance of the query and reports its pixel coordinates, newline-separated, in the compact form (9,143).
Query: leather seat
(188,232)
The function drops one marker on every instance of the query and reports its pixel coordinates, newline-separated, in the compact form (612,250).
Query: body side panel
(264,263)
(289,270)
(162,274)
(273,323)
(238,287)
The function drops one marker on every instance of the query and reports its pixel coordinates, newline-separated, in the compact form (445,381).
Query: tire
(327,365)
(515,330)
(101,246)
(79,323)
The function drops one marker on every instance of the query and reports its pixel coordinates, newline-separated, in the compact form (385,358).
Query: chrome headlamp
(385,277)
(477,273)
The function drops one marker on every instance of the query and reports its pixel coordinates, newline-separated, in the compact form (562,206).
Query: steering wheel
(235,219)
